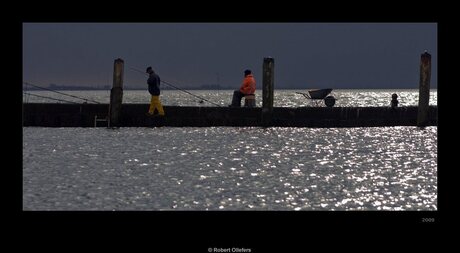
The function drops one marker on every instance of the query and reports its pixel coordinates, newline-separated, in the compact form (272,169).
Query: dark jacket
(154,84)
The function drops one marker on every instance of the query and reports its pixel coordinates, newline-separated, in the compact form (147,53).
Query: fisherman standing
(154,90)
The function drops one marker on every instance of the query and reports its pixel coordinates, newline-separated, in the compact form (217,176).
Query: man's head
(247,72)
(149,70)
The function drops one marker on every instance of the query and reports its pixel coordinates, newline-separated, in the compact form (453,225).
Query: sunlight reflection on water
(282,98)
(225,168)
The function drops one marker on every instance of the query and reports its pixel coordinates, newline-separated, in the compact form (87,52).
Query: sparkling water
(233,168)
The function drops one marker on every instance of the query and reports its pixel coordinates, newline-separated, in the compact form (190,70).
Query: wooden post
(116,93)
(424,90)
(268,80)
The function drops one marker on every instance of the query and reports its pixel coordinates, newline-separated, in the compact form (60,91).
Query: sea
(231,168)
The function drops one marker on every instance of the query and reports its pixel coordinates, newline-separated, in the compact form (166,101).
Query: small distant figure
(154,90)
(394,100)
(247,89)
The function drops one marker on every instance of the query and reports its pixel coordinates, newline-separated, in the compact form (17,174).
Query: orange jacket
(249,85)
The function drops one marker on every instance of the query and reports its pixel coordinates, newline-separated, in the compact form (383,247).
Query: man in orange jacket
(248,87)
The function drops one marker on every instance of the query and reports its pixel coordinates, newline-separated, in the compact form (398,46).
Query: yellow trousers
(156,104)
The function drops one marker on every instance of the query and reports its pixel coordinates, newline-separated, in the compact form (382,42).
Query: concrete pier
(133,115)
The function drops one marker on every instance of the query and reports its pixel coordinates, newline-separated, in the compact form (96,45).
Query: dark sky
(307,55)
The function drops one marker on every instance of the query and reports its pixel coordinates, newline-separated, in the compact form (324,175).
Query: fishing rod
(61,100)
(169,84)
(61,93)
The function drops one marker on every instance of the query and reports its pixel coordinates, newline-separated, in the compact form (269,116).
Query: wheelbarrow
(317,95)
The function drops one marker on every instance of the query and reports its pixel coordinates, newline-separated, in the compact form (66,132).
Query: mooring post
(116,93)
(424,90)
(268,80)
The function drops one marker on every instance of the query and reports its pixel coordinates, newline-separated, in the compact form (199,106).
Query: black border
(199,230)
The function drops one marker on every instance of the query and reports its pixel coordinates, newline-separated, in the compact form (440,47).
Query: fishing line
(62,100)
(169,84)
(61,93)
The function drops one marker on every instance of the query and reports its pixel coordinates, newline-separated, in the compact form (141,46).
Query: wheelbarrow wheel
(329,101)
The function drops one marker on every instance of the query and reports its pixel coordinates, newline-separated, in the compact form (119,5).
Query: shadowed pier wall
(133,115)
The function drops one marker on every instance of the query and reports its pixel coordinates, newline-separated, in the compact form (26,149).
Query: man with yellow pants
(154,90)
